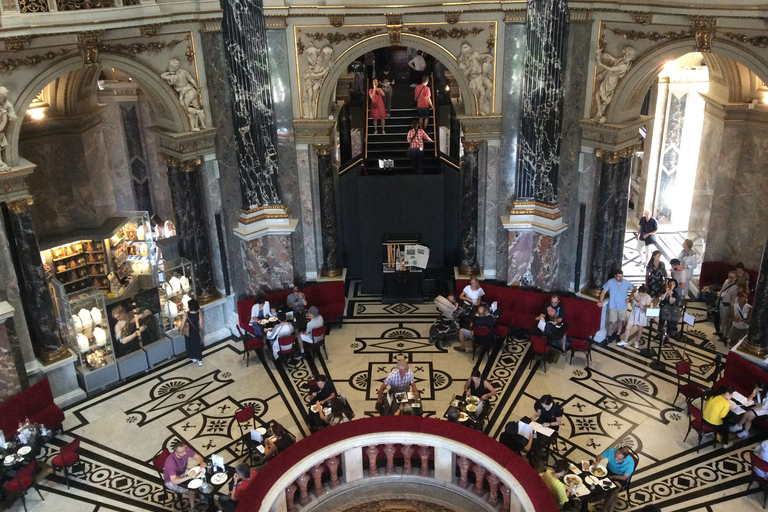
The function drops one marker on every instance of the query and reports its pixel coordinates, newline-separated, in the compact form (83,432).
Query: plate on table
(219,478)
(471,407)
(264,321)
(463,417)
(591,480)
(574,469)
(315,408)
(599,471)
(273,319)
(9,460)
(473,400)
(401,397)
(261,430)
(24,450)
(195,484)
(572,480)
(193,471)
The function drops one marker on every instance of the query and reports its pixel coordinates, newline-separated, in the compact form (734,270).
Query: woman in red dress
(378,109)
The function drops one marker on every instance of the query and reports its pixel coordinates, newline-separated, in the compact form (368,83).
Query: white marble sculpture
(7,116)
(319,64)
(610,71)
(189,95)
(478,68)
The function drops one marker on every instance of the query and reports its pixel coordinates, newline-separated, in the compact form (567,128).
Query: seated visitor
(553,478)
(762,451)
(337,414)
(405,409)
(323,390)
(620,468)
(399,380)
(281,330)
(472,293)
(640,301)
(240,480)
(296,301)
(518,437)
(556,305)
(717,412)
(477,386)
(453,414)
(741,315)
(548,413)
(760,397)
(259,311)
(314,320)
(554,328)
(281,440)
(175,470)
(482,319)
(617,289)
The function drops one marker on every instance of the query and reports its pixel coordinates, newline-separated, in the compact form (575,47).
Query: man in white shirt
(259,311)
(281,330)
(688,264)
(418,65)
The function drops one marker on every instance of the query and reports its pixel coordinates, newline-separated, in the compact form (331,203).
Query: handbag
(185,328)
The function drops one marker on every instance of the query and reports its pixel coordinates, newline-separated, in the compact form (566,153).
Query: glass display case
(177,287)
(83,321)
(131,251)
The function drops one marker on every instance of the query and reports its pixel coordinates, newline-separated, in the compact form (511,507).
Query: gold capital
(171,161)
(190,165)
(20,205)
(472,146)
(322,149)
(609,157)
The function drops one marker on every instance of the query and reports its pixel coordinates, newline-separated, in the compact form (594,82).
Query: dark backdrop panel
(350,222)
(398,204)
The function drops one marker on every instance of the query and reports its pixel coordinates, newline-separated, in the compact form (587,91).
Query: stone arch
(166,105)
(326,99)
(632,89)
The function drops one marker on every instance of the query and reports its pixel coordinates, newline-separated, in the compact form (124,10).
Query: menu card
(541,429)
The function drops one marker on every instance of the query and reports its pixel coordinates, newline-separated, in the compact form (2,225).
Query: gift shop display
(177,288)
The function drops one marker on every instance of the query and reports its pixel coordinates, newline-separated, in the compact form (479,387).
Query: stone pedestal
(268,264)
(329,223)
(468,233)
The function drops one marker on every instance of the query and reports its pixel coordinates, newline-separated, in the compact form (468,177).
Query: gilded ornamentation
(186,87)
(149,30)
(16,44)
(335,38)
(478,68)
(652,36)
(211,25)
(319,64)
(76,5)
(20,205)
(271,21)
(441,33)
(336,21)
(394,19)
(452,18)
(300,46)
(472,146)
(137,48)
(12,6)
(32,6)
(171,161)
(31,60)
(705,27)
(322,149)
(642,18)
(610,70)
(490,42)
(515,16)
(88,44)
(190,165)
(394,34)
(7,116)
(759,41)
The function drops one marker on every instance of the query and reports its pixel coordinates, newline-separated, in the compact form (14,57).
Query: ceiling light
(36,113)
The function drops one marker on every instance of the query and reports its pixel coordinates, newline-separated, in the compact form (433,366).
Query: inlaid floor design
(618,400)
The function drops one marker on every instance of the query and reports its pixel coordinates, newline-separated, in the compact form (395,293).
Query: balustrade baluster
(463,464)
(333,466)
(303,481)
(479,477)
(317,474)
(372,451)
(506,495)
(424,452)
(493,483)
(407,451)
(289,493)
(389,451)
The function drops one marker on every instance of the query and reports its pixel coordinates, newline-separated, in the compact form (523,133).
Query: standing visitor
(423,97)
(417,65)
(387,81)
(617,289)
(687,264)
(191,328)
(655,277)
(416,138)
(741,314)
(646,236)
(640,302)
(378,111)
(742,277)
(725,297)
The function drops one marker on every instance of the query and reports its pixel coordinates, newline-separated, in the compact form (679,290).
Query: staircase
(394,144)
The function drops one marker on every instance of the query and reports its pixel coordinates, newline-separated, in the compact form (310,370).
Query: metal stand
(657,364)
(648,351)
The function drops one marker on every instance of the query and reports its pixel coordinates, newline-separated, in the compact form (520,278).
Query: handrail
(367,85)
(269,486)
(434,113)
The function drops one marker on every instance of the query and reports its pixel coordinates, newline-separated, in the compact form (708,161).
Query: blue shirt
(619,468)
(618,291)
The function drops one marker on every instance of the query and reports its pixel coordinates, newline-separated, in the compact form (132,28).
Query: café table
(258,448)
(209,490)
(9,470)
(391,403)
(590,493)
(474,419)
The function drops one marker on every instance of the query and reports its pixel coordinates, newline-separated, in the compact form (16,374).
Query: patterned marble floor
(619,400)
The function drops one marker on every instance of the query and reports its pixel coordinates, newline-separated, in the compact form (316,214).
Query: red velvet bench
(36,403)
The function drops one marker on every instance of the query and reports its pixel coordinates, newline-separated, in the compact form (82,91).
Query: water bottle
(2,440)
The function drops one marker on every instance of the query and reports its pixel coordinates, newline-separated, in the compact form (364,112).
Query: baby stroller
(446,324)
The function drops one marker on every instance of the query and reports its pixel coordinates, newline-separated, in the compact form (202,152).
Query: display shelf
(76,280)
(75,268)
(70,256)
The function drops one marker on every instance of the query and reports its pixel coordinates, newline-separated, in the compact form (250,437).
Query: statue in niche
(478,68)
(7,116)
(610,71)
(319,64)
(189,94)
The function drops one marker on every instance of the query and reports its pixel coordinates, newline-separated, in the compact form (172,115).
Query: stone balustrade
(383,458)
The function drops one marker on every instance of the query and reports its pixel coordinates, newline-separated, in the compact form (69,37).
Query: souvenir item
(185,284)
(140,233)
(185,300)
(77,323)
(175,284)
(100,336)
(85,318)
(82,343)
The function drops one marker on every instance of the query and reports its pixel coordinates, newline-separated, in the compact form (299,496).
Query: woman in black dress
(655,277)
(193,339)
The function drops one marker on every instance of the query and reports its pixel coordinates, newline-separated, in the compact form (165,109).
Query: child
(640,301)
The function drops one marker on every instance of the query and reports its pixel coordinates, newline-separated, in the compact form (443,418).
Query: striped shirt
(416,138)
(398,383)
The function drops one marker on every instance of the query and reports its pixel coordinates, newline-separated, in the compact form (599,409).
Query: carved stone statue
(189,94)
(7,116)
(478,68)
(610,71)
(319,64)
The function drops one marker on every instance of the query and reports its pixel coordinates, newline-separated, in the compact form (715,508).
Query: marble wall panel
(520,263)
(212,201)
(484,182)
(219,94)
(10,381)
(307,219)
(489,219)
(158,172)
(99,180)
(290,188)
(703,188)
(117,156)
(9,291)
(587,194)
(268,264)
(533,259)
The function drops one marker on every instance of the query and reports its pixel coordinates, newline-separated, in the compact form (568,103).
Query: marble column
(184,179)
(468,234)
(13,376)
(542,112)
(757,339)
(345,136)
(35,293)
(622,177)
(329,223)
(245,40)
(603,225)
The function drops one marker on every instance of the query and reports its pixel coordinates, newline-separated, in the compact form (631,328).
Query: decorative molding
(472,146)
(32,60)
(534,216)
(759,41)
(88,44)
(191,165)
(642,18)
(481,127)
(313,131)
(581,15)
(154,47)
(20,205)
(271,21)
(394,19)
(13,183)
(653,36)
(705,27)
(336,21)
(519,16)
(16,44)
(210,25)
(441,33)
(613,157)
(322,149)
(149,30)
(611,137)
(338,37)
(452,18)
(185,146)
(261,208)
(394,34)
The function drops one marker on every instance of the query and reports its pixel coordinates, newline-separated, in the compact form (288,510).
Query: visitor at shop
(646,236)
(677,271)
(617,288)
(741,315)
(671,296)
(482,319)
(472,293)
(281,330)
(175,470)
(655,277)
(387,81)
(192,329)
(760,397)
(717,412)
(240,481)
(416,138)
(296,301)
(378,110)
(417,66)
(640,301)
(620,468)
(282,440)
(688,262)
(553,478)
(478,387)
(337,414)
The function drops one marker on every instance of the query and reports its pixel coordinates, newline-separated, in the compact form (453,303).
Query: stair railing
(367,88)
